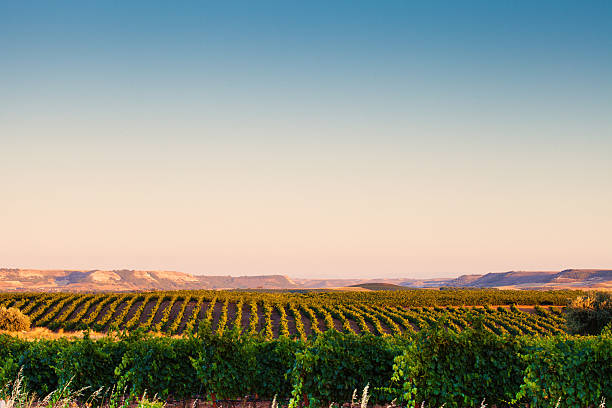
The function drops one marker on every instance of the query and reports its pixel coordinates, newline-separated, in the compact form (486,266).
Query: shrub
(13,320)
(589,314)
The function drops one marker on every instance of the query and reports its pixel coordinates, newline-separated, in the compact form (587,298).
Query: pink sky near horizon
(297,210)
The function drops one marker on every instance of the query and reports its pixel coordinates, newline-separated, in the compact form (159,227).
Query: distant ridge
(130,280)
(134,280)
(530,279)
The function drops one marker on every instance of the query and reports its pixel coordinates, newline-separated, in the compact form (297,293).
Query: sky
(311,139)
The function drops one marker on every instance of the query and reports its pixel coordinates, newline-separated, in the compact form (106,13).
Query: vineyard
(449,347)
(297,315)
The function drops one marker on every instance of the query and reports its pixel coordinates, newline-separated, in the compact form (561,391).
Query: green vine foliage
(37,362)
(336,364)
(223,364)
(274,361)
(86,365)
(576,371)
(435,365)
(231,366)
(10,350)
(158,365)
(459,369)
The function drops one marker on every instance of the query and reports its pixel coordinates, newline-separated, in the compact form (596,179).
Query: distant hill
(569,278)
(566,279)
(133,280)
(130,280)
(379,286)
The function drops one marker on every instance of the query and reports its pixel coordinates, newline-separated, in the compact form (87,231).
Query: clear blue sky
(310,139)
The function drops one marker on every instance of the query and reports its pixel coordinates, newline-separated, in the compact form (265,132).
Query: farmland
(453,347)
(298,315)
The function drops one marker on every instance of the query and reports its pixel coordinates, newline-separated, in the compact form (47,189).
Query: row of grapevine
(54,310)
(78,316)
(268,332)
(191,324)
(33,303)
(337,313)
(385,318)
(173,329)
(299,324)
(253,318)
(209,311)
(102,322)
(436,367)
(223,318)
(147,323)
(283,322)
(238,317)
(58,321)
(314,321)
(44,306)
(88,322)
(159,326)
(135,320)
(119,320)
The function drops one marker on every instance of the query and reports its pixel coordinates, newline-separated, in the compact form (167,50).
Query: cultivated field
(297,314)
(507,348)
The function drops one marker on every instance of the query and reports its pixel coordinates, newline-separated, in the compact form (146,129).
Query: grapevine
(253,318)
(174,327)
(284,325)
(223,318)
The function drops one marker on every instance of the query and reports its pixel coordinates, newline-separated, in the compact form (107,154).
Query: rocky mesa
(135,280)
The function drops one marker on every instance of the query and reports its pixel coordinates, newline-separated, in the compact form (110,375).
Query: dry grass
(42,333)
(38,333)
(14,395)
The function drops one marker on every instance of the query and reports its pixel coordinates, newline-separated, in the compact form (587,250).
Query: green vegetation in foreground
(298,315)
(435,365)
